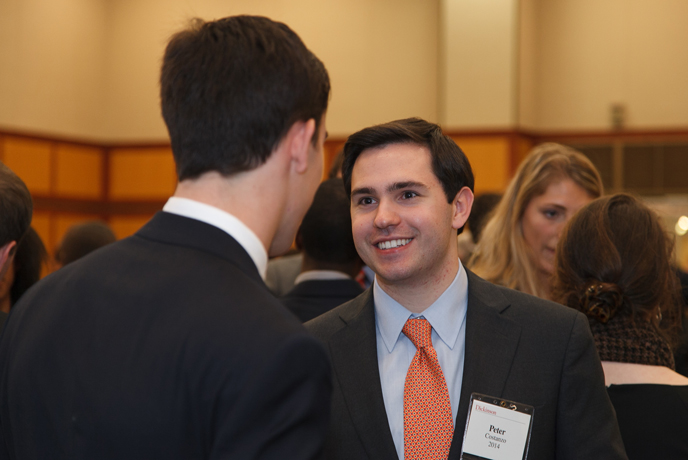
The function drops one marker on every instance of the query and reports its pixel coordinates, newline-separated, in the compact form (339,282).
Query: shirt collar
(321,275)
(445,315)
(224,221)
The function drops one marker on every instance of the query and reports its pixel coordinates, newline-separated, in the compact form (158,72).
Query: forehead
(393,163)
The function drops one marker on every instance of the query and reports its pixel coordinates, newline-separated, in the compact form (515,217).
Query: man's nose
(386,215)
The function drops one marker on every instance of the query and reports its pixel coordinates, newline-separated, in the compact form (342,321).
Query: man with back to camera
(168,344)
(330,261)
(411,190)
(16,209)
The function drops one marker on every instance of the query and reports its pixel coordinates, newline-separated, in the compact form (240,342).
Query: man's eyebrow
(363,191)
(402,185)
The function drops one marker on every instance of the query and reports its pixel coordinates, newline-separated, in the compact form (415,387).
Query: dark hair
(28,262)
(16,206)
(615,258)
(82,239)
(231,89)
(450,165)
(325,231)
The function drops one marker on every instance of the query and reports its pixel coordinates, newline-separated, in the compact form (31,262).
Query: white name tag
(496,429)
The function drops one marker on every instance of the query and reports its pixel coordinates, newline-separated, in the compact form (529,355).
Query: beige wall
(89,68)
(591,54)
(527,72)
(478,63)
(52,66)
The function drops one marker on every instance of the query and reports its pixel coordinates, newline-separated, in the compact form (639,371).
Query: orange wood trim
(105,172)
(52,164)
(513,153)
(535,134)
(100,208)
(609,136)
(138,145)
(50,138)
(2,147)
(480,132)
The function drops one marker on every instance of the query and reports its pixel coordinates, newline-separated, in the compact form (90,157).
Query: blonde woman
(518,243)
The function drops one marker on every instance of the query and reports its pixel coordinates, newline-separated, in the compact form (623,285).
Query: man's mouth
(391,244)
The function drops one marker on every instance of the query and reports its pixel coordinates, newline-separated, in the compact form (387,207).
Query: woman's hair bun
(602,301)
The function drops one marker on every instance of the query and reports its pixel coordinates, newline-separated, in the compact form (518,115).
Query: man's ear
(7,256)
(298,143)
(462,204)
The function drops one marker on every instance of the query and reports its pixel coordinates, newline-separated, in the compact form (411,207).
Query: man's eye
(366,200)
(408,194)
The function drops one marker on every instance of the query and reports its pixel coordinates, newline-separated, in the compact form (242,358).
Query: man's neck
(417,297)
(245,195)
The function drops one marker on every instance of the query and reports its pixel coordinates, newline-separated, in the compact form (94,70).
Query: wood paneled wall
(124,185)
(74,181)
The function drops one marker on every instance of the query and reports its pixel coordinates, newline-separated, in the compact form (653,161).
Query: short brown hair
(230,90)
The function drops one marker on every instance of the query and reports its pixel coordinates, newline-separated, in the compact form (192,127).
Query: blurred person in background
(483,205)
(16,209)
(24,271)
(330,260)
(614,264)
(518,244)
(283,270)
(82,239)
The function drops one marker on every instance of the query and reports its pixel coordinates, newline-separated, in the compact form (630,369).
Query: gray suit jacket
(518,347)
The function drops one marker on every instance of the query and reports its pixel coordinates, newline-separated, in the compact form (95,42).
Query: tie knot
(418,331)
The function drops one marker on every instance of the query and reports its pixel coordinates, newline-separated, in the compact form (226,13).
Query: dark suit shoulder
(519,306)
(310,299)
(327,324)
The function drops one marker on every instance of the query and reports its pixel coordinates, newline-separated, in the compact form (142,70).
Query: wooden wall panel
(331,149)
(141,174)
(31,160)
(521,148)
(79,172)
(124,226)
(490,160)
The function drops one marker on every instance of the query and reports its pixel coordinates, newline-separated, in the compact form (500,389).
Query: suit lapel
(354,356)
(491,342)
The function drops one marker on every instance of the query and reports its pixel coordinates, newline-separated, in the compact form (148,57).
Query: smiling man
(408,353)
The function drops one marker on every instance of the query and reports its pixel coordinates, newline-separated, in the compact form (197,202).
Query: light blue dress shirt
(395,351)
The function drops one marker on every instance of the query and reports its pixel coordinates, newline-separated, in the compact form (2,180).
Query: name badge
(497,429)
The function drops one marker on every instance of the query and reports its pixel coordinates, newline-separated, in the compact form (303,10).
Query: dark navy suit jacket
(312,298)
(167,345)
(518,347)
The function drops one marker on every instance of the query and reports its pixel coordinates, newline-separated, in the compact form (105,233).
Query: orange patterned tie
(428,425)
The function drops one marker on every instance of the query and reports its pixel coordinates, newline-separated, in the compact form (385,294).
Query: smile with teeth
(391,244)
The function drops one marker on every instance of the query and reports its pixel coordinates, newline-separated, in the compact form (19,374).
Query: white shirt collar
(321,275)
(224,221)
